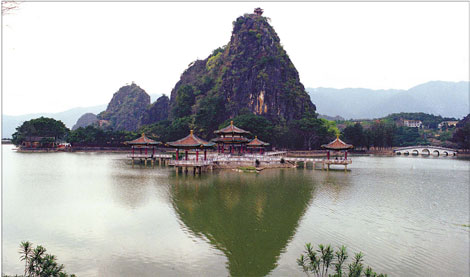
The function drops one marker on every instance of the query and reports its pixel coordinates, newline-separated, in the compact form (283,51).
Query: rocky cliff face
(252,72)
(158,111)
(126,108)
(85,120)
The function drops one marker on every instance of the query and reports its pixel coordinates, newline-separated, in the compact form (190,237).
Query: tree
(354,134)
(318,262)
(40,127)
(462,136)
(39,263)
(313,130)
(25,251)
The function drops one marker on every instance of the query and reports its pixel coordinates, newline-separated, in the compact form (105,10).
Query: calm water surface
(102,217)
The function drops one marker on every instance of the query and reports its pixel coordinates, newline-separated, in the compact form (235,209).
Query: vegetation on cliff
(252,72)
(156,112)
(85,120)
(126,108)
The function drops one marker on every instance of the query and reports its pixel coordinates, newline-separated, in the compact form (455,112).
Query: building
(231,139)
(258,11)
(191,142)
(39,142)
(256,145)
(447,124)
(412,123)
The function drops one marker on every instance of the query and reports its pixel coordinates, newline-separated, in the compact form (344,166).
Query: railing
(149,155)
(190,162)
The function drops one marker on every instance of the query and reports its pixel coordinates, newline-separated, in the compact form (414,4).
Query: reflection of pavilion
(245,218)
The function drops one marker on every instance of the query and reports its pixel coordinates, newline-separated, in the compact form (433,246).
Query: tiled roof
(256,142)
(190,141)
(142,140)
(337,144)
(231,129)
(230,139)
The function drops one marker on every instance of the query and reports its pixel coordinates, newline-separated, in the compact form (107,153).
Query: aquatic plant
(318,262)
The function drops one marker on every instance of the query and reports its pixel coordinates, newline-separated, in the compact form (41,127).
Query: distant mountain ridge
(448,99)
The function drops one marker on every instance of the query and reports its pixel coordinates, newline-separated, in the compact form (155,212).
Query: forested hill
(448,99)
(252,73)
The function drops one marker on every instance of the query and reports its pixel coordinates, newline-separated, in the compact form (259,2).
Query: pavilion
(231,138)
(337,145)
(143,144)
(191,141)
(256,145)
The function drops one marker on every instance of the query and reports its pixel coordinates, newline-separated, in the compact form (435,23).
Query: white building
(412,123)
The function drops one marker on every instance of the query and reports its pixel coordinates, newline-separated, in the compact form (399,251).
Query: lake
(102,217)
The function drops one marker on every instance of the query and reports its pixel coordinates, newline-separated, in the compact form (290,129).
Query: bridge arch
(415,152)
(437,152)
(425,152)
(406,153)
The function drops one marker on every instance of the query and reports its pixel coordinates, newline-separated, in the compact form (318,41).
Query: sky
(58,56)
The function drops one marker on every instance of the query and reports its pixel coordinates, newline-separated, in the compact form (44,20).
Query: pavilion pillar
(197,155)
(177,153)
(186,154)
(153,151)
(346,155)
(328,154)
(205,154)
(260,151)
(133,149)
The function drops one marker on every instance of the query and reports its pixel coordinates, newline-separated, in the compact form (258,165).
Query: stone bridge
(425,151)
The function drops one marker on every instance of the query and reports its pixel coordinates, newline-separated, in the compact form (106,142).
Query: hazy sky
(58,56)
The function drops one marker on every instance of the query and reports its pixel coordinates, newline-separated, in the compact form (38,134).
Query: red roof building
(231,138)
(191,141)
(143,144)
(256,144)
(337,145)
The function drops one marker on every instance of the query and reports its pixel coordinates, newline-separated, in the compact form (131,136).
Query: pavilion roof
(231,139)
(143,140)
(257,143)
(337,144)
(190,141)
(231,129)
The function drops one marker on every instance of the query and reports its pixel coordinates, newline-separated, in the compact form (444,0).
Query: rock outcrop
(157,111)
(85,120)
(126,108)
(252,72)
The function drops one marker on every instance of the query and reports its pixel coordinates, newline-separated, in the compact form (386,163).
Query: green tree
(462,136)
(40,127)
(41,264)
(319,261)
(354,134)
(314,131)
(25,251)
(184,101)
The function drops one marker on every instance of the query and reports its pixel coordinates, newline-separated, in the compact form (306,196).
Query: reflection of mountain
(249,217)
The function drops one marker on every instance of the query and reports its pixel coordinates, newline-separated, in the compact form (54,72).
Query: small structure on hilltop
(258,11)
(232,139)
(191,141)
(146,148)
(337,145)
(256,145)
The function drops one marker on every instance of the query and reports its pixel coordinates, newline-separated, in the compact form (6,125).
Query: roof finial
(143,134)
(337,136)
(191,132)
(231,123)
(256,137)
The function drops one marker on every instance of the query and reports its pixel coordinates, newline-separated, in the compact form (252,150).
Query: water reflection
(249,217)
